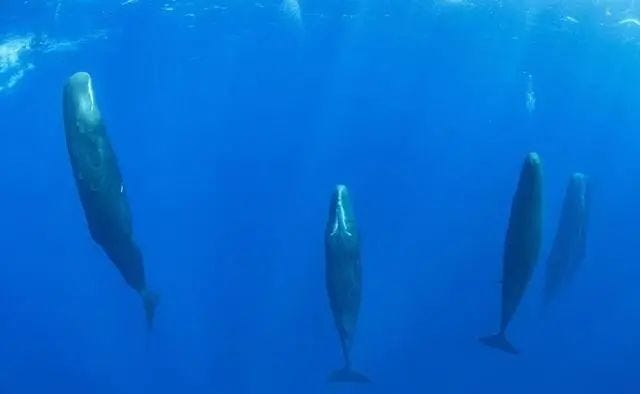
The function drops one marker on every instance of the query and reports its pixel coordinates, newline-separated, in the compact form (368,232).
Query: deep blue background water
(231,135)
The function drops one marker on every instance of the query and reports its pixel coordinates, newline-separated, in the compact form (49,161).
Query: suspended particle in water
(530,97)
(56,13)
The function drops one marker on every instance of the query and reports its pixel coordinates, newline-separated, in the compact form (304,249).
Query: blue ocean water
(234,120)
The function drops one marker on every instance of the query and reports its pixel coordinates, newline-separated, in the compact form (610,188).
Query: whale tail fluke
(499,341)
(348,375)
(150,300)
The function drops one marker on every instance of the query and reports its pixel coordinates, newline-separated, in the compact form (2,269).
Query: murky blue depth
(234,120)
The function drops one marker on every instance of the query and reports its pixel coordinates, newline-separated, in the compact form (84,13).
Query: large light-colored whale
(100,185)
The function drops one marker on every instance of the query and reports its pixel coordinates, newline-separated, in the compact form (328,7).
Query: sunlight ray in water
(207,146)
(18,54)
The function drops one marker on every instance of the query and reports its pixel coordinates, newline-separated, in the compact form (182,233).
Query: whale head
(79,99)
(579,182)
(341,221)
(531,173)
(579,191)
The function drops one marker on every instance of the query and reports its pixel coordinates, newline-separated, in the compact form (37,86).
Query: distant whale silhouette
(521,247)
(343,277)
(100,186)
(569,246)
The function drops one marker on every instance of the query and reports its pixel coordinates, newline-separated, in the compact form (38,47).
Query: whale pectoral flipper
(499,341)
(346,374)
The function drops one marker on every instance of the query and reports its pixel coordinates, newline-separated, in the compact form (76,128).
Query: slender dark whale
(521,247)
(100,186)
(343,277)
(569,245)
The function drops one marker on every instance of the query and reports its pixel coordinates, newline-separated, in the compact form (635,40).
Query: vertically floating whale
(521,247)
(569,245)
(100,186)
(343,277)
